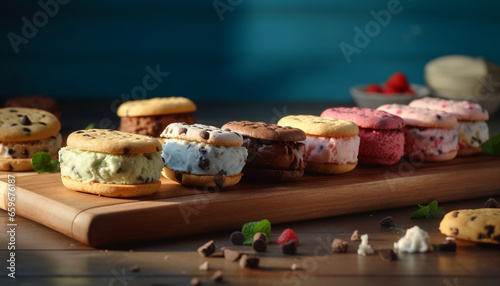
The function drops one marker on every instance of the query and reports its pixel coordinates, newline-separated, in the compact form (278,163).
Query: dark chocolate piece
(217,277)
(387,254)
(386,222)
(25,121)
(259,245)
(491,203)
(289,247)
(232,255)
(448,246)
(205,135)
(237,238)
(247,261)
(207,249)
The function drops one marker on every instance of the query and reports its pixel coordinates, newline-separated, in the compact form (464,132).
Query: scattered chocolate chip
(221,173)
(259,245)
(119,170)
(491,229)
(25,121)
(232,255)
(440,151)
(148,156)
(247,261)
(387,254)
(207,249)
(126,151)
(182,131)
(203,163)
(386,222)
(42,123)
(86,135)
(455,231)
(178,177)
(289,247)
(260,236)
(163,159)
(135,268)
(455,214)
(355,236)
(448,246)
(473,218)
(195,282)
(140,178)
(79,132)
(237,238)
(431,138)
(438,117)
(13,124)
(203,266)
(204,134)
(11,151)
(491,203)
(25,152)
(217,277)
(203,150)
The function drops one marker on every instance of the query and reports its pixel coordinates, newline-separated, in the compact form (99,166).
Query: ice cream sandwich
(111,163)
(202,156)
(24,132)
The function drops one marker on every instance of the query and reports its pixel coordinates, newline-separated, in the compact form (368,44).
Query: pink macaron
(381,136)
(430,135)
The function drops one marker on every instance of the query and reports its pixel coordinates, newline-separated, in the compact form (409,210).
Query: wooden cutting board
(178,210)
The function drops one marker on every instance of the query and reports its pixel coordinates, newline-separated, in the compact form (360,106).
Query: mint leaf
(264,226)
(492,145)
(427,211)
(248,231)
(251,228)
(90,126)
(42,162)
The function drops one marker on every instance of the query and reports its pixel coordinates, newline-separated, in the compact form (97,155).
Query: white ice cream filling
(26,149)
(472,133)
(88,166)
(332,150)
(203,159)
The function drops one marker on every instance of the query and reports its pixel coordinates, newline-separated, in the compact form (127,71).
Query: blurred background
(232,50)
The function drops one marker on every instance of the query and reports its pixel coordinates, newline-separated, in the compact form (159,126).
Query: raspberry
(390,90)
(286,236)
(398,82)
(373,88)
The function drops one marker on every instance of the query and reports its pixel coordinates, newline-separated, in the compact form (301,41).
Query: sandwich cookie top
(366,117)
(321,126)
(463,110)
(26,124)
(421,117)
(262,130)
(156,106)
(113,142)
(202,133)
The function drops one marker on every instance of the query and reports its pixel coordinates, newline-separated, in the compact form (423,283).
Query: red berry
(390,90)
(374,88)
(398,81)
(287,235)
(409,91)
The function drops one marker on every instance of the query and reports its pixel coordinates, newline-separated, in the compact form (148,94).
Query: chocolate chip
(203,150)
(126,151)
(491,229)
(454,231)
(481,236)
(289,247)
(387,254)
(441,138)
(182,131)
(247,261)
(440,151)
(490,203)
(163,160)
(12,110)
(79,132)
(438,117)
(259,236)
(221,173)
(27,130)
(232,255)
(178,177)
(455,214)
(13,124)
(237,238)
(207,249)
(25,152)
(11,168)
(339,245)
(140,178)
(383,123)
(86,135)
(158,127)
(11,151)
(386,222)
(448,246)
(25,121)
(219,183)
(473,218)
(259,245)
(148,156)
(204,134)
(157,149)
(431,138)
(119,170)
(497,238)
(203,163)
(217,277)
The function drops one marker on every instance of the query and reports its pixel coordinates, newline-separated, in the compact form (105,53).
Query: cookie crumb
(355,236)
(232,255)
(217,277)
(195,282)
(207,249)
(204,266)
(339,245)
(295,267)
(387,222)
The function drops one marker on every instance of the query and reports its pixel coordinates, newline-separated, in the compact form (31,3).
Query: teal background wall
(249,50)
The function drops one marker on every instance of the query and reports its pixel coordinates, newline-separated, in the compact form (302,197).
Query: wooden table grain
(46,257)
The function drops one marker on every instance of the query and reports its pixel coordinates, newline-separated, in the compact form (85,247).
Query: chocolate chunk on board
(289,247)
(207,249)
(387,254)
(237,238)
(247,261)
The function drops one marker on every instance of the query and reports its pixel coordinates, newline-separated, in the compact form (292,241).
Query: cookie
(25,124)
(202,156)
(472,128)
(275,153)
(37,102)
(111,163)
(24,132)
(202,133)
(479,225)
(113,142)
(332,145)
(151,116)
(381,136)
(430,135)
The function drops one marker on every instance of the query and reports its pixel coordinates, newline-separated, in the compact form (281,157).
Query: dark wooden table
(46,257)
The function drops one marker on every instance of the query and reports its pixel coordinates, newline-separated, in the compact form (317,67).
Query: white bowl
(374,100)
